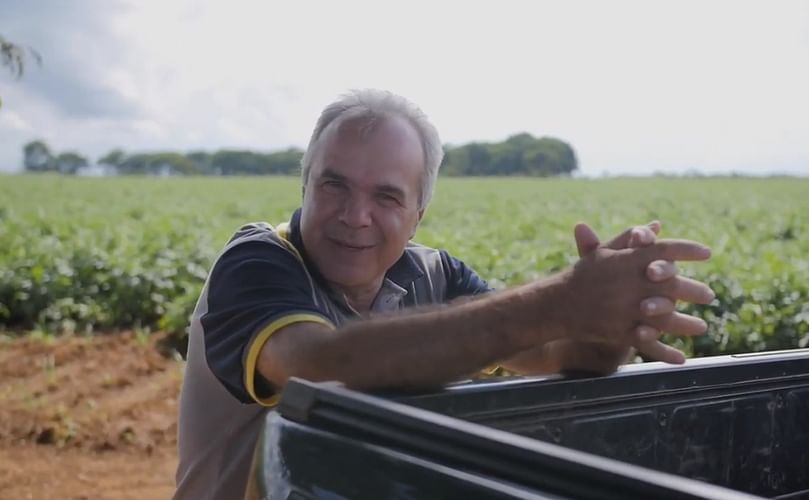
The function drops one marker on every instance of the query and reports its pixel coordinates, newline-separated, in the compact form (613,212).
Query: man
(340,294)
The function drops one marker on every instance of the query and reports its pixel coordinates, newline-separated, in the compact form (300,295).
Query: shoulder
(255,231)
(257,285)
(255,257)
(258,239)
(444,271)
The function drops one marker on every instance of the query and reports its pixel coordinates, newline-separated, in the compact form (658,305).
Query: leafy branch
(14,57)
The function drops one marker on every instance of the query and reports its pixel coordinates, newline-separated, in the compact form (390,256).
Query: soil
(88,418)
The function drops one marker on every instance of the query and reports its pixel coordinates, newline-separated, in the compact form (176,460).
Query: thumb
(586,239)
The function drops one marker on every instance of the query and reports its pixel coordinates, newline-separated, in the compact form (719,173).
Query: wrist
(541,310)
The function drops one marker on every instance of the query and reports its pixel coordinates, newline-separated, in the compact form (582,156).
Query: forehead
(364,149)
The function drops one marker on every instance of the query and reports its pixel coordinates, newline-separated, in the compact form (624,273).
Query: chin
(347,279)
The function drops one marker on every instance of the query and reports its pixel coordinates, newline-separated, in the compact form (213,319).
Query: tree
(520,154)
(112,159)
(507,159)
(164,163)
(70,162)
(202,160)
(551,156)
(14,56)
(286,162)
(171,164)
(37,157)
(480,159)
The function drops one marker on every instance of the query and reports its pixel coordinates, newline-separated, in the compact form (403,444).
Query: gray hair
(373,105)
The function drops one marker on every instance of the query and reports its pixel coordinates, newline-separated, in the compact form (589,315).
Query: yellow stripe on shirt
(283,232)
(254,349)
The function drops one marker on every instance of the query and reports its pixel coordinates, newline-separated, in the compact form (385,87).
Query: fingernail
(650,307)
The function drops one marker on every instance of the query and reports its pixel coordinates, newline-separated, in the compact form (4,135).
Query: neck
(360,298)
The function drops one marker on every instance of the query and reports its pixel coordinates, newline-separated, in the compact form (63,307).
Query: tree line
(520,154)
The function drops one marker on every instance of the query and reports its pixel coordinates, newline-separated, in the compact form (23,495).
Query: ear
(413,234)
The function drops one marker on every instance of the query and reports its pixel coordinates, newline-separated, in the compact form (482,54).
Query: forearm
(539,360)
(422,348)
(570,355)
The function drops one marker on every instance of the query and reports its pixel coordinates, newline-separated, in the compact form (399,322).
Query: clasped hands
(622,295)
(658,313)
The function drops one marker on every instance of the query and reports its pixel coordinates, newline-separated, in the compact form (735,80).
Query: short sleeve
(462,281)
(255,289)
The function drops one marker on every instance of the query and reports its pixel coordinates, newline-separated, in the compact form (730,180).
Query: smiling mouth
(350,246)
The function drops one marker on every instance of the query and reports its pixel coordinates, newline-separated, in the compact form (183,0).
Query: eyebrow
(331,174)
(381,188)
(391,190)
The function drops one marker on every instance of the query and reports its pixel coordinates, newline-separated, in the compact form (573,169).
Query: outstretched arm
(595,301)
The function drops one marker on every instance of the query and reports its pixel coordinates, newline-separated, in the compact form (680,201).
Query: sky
(636,87)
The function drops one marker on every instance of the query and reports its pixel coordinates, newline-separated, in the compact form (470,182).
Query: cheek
(411,223)
(399,228)
(320,206)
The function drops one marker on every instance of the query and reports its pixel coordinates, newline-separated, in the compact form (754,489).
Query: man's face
(361,201)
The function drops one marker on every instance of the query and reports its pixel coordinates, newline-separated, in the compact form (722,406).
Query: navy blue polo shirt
(261,282)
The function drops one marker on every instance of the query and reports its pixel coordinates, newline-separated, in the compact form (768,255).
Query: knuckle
(666,304)
(666,288)
(655,323)
(674,287)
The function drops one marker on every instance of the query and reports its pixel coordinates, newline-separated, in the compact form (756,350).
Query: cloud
(15,122)
(79,47)
(634,86)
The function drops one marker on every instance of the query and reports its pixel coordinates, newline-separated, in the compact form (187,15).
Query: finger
(599,357)
(678,324)
(676,250)
(661,270)
(645,334)
(690,290)
(586,239)
(661,352)
(656,306)
(604,358)
(623,240)
(641,236)
(646,342)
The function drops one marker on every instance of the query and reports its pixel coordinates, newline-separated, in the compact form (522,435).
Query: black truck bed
(723,427)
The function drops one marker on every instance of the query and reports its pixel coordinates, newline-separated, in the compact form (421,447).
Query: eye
(333,186)
(388,199)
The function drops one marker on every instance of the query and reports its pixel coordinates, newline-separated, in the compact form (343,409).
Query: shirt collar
(402,273)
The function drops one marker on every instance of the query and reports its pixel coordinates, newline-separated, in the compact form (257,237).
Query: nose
(356,212)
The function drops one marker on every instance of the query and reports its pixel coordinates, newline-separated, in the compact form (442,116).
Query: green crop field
(99,254)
